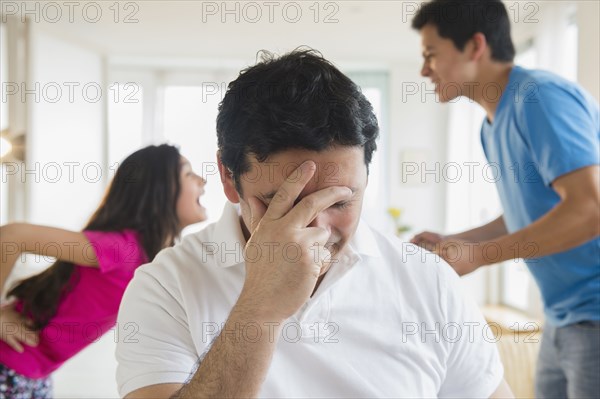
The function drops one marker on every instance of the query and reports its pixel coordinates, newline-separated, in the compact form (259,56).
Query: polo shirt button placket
(315,318)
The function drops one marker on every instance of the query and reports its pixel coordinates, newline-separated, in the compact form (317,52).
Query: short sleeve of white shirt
(154,345)
(474,369)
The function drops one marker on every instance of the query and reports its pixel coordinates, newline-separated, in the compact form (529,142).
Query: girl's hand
(15,329)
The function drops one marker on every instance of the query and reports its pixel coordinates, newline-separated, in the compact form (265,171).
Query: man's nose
(425,70)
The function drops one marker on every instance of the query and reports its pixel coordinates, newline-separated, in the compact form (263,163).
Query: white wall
(62,132)
(417,134)
(588,13)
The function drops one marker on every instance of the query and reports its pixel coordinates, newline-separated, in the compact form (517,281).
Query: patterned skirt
(17,386)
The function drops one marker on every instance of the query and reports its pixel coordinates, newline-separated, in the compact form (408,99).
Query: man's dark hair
(460,20)
(296,101)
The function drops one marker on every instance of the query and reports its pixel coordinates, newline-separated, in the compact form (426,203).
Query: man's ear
(479,46)
(227,180)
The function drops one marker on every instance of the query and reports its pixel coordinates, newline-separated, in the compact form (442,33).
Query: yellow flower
(395,212)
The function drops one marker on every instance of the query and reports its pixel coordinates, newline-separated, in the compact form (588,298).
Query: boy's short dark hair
(296,101)
(460,20)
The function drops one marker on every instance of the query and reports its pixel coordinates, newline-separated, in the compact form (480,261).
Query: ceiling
(372,31)
(147,31)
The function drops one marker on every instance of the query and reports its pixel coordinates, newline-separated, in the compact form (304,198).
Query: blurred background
(86,83)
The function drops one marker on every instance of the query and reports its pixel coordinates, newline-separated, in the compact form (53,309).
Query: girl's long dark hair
(142,197)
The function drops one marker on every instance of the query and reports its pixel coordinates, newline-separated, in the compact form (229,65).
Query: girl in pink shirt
(55,314)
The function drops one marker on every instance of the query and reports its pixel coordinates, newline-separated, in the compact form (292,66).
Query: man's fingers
(428,245)
(425,243)
(257,211)
(289,191)
(427,240)
(418,238)
(310,206)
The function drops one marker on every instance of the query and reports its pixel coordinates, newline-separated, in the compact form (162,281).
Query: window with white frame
(189,118)
(125,117)
(374,86)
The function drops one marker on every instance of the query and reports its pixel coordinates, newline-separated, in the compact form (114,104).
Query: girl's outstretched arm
(66,245)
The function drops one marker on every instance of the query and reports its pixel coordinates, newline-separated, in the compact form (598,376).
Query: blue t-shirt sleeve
(561,127)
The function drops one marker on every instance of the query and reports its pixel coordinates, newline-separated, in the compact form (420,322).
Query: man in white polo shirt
(290,294)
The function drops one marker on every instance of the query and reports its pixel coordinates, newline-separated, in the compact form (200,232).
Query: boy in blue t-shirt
(543,133)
